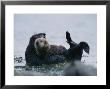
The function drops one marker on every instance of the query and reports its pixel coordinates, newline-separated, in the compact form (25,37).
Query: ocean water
(82,27)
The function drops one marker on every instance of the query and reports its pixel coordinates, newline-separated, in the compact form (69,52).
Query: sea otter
(39,51)
(76,50)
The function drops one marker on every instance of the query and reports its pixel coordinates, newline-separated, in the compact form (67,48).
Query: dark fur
(56,53)
(76,50)
(30,53)
(53,55)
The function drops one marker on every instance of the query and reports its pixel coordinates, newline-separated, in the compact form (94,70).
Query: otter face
(36,36)
(41,45)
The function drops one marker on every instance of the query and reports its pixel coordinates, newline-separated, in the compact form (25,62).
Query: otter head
(41,46)
(36,36)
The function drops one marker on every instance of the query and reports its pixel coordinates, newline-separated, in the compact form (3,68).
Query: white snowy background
(82,27)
